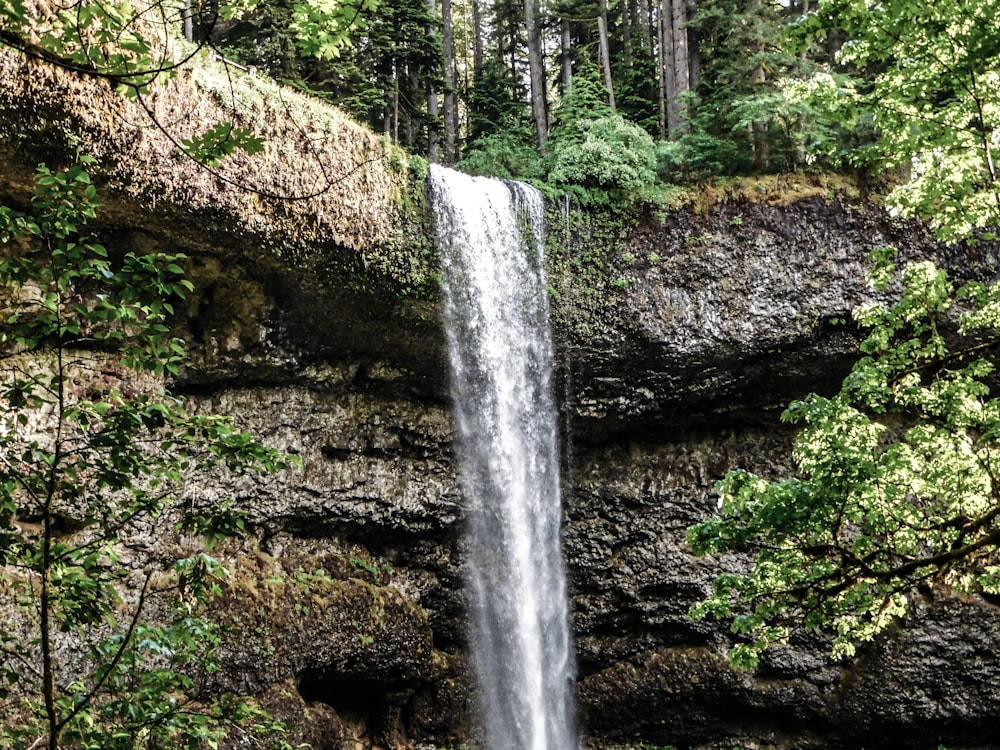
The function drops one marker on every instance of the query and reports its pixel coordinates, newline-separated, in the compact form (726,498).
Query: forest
(591,97)
(648,90)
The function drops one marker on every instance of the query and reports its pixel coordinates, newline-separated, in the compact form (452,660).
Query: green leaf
(894,483)
(220,141)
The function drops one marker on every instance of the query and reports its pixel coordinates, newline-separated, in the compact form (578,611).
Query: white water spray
(490,235)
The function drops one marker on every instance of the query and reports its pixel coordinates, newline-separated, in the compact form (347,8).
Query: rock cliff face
(694,360)
(314,324)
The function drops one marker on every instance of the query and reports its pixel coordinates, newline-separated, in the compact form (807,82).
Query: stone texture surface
(727,311)
(656,410)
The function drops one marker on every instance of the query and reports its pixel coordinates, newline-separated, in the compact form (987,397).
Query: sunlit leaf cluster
(930,75)
(896,482)
(324,27)
(222,140)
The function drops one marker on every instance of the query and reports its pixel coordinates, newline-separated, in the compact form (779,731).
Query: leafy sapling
(92,450)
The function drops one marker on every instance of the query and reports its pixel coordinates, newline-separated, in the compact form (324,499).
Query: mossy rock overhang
(326,230)
(720,312)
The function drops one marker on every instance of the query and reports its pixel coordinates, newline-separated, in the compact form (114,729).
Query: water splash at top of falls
(490,235)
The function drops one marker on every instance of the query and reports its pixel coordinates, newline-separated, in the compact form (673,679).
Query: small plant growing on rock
(99,647)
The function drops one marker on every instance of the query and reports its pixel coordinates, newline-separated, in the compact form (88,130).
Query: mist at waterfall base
(490,236)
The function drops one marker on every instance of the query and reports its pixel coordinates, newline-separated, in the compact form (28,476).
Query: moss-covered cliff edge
(679,337)
(328,223)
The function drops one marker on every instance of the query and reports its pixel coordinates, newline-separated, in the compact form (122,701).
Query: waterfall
(490,236)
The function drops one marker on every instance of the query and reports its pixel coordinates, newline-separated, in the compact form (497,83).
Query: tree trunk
(674,65)
(759,140)
(602,36)
(433,123)
(694,49)
(395,103)
(648,14)
(450,118)
(566,56)
(664,65)
(188,15)
(477,40)
(676,107)
(628,16)
(45,606)
(46,601)
(536,74)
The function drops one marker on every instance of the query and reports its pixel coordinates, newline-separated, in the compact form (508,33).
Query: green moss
(775,189)
(588,262)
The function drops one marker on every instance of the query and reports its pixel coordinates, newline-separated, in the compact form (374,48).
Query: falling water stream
(490,236)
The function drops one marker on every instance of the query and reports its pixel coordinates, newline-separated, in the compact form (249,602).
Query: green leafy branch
(896,482)
(323,27)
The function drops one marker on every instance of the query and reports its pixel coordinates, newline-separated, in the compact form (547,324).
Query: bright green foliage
(837,125)
(324,27)
(580,107)
(91,450)
(509,156)
(501,134)
(897,473)
(897,479)
(930,72)
(219,141)
(594,152)
(595,147)
(612,154)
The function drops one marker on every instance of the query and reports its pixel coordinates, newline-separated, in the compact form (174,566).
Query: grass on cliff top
(775,189)
(317,140)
